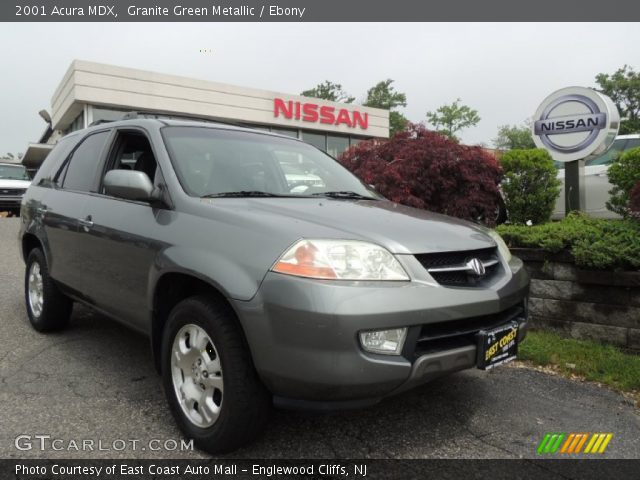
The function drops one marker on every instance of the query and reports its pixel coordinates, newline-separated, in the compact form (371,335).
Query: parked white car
(14,181)
(596,179)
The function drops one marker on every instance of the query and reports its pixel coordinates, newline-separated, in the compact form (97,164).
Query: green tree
(623,87)
(329,91)
(450,119)
(529,185)
(384,95)
(511,137)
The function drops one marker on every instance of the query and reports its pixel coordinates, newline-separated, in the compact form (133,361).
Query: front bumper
(303,333)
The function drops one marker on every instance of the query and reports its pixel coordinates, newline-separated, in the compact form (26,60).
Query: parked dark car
(319,295)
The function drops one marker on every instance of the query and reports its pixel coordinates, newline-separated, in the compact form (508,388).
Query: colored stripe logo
(574,443)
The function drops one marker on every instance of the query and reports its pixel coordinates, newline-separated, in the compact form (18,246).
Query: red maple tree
(424,169)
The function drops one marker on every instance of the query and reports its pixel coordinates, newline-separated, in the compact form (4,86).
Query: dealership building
(91,92)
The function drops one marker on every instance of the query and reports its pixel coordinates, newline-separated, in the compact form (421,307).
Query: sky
(503,70)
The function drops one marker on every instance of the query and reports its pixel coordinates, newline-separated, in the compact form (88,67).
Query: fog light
(386,342)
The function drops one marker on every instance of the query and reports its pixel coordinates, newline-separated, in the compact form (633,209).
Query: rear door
(62,207)
(121,242)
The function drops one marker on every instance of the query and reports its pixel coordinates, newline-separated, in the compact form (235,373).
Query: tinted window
(336,145)
(81,172)
(285,131)
(51,164)
(315,139)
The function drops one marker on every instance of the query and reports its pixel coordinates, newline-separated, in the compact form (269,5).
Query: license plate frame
(497,346)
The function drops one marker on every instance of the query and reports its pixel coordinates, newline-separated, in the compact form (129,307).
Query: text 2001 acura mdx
(254,288)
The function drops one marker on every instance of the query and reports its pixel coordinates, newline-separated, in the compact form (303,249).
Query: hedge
(594,243)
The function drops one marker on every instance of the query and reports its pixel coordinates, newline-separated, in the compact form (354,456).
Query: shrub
(634,201)
(594,243)
(530,185)
(425,169)
(624,174)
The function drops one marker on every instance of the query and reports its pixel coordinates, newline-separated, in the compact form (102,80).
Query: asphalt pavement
(95,382)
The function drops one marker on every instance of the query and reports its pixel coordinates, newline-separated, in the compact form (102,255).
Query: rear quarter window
(45,177)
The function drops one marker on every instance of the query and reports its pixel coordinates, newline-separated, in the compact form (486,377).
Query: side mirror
(130,185)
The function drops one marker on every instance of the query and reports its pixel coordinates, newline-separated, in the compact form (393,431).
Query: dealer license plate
(497,346)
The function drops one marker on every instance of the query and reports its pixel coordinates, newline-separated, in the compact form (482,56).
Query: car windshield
(218,162)
(13,172)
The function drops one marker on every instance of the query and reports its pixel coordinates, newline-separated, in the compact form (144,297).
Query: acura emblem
(476,267)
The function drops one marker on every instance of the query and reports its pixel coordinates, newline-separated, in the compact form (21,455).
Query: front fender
(229,278)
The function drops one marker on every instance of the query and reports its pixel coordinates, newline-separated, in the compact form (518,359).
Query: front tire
(48,308)
(211,385)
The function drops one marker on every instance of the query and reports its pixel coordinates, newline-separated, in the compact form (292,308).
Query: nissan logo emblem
(575,123)
(550,125)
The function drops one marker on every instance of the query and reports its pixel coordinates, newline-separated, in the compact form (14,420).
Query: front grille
(450,269)
(440,336)
(12,191)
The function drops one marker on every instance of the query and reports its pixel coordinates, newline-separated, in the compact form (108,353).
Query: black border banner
(318,11)
(548,469)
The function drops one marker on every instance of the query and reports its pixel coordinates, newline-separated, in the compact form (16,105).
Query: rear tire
(47,307)
(211,385)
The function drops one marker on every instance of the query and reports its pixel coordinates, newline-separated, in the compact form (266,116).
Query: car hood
(400,229)
(9,183)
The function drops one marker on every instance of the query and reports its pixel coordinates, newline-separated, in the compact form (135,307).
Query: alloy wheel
(196,373)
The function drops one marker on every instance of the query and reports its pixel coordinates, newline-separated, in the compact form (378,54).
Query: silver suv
(254,290)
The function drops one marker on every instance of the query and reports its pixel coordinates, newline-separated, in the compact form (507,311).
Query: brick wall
(584,304)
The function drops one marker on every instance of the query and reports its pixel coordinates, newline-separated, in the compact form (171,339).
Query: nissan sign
(314,113)
(575,123)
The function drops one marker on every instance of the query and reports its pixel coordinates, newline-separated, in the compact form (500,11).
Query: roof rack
(173,116)
(99,122)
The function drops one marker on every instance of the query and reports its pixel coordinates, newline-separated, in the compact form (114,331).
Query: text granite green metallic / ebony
(262,271)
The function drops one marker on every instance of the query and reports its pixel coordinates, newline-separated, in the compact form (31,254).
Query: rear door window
(83,165)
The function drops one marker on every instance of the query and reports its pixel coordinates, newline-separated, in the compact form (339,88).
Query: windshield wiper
(241,193)
(343,194)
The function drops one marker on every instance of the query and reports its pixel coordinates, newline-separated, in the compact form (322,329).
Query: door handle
(86,222)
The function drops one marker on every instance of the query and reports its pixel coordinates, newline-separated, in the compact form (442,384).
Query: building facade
(90,92)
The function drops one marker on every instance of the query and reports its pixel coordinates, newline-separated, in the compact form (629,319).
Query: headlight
(502,247)
(340,260)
